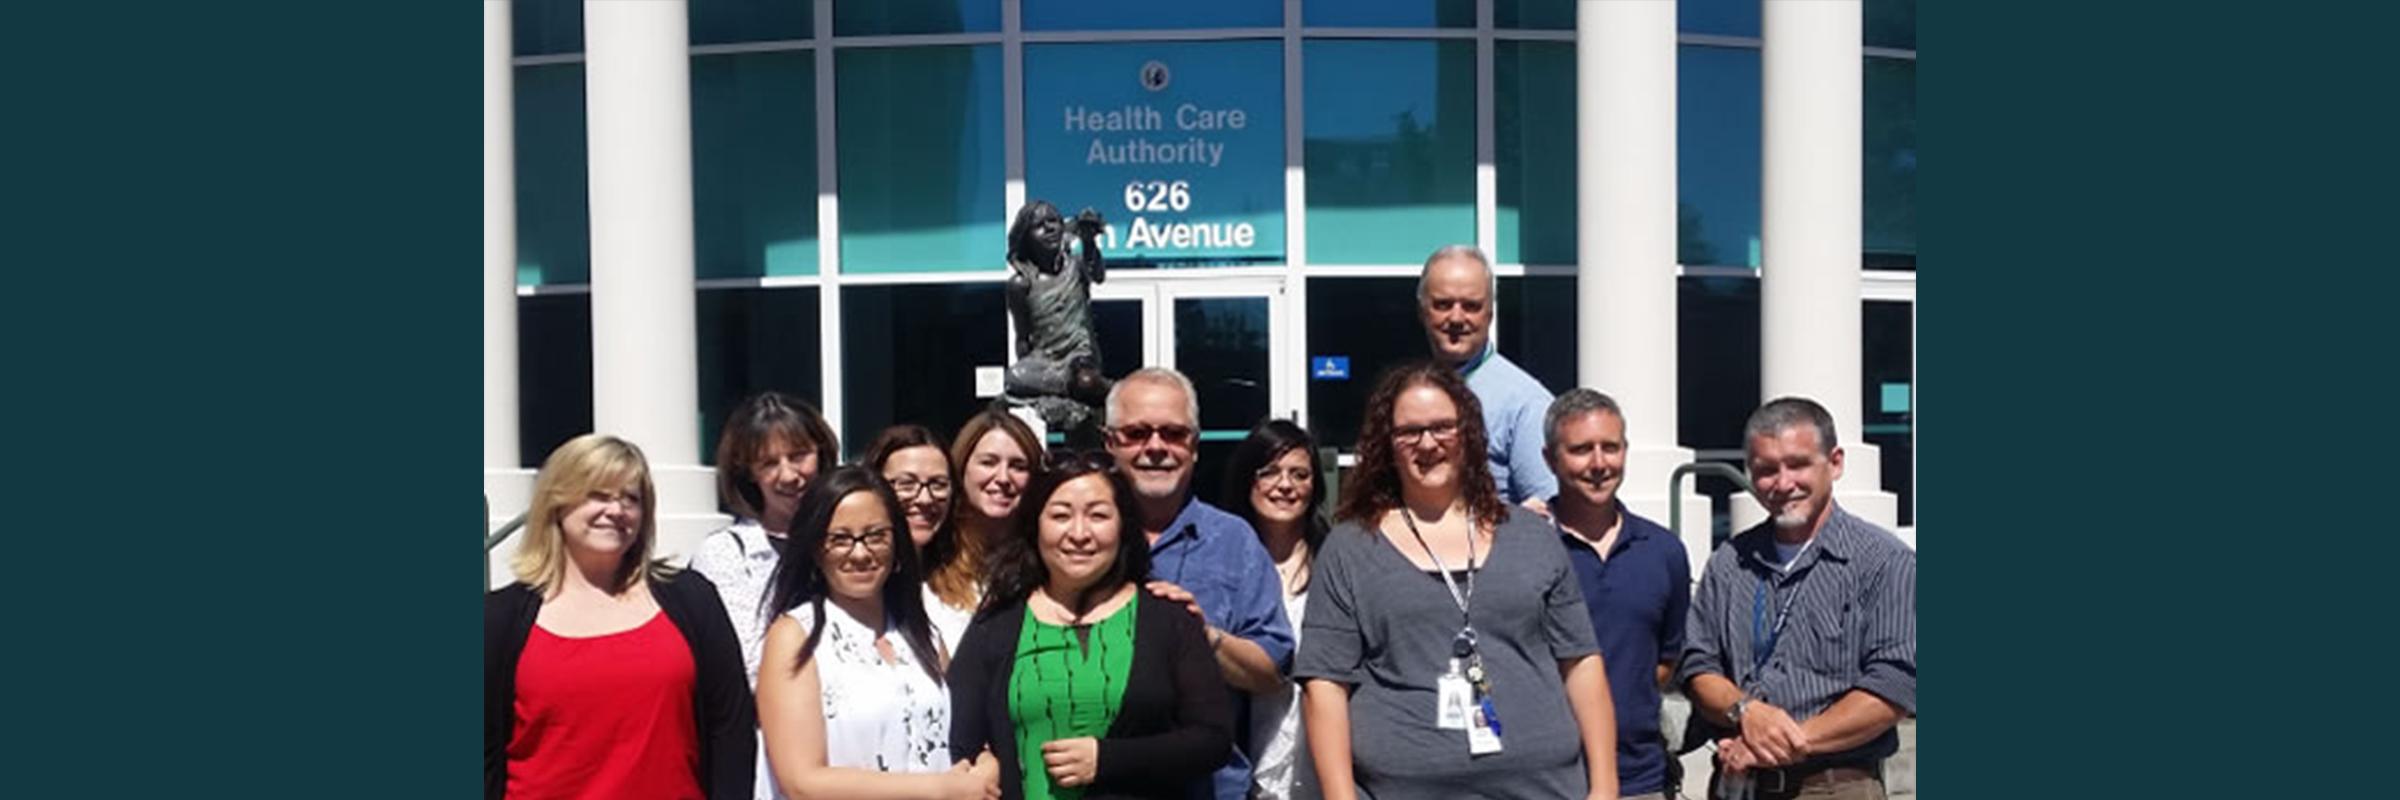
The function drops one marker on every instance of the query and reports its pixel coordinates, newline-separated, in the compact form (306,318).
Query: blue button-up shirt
(1216,556)
(1513,405)
(1638,597)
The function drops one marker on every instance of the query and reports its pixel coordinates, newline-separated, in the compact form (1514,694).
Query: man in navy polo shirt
(1634,576)
(1200,555)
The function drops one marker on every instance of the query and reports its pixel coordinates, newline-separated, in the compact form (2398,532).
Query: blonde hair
(585,464)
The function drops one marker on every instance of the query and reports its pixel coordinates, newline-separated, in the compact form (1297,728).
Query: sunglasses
(1172,435)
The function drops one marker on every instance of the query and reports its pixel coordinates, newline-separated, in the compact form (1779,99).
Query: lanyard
(1760,632)
(1466,633)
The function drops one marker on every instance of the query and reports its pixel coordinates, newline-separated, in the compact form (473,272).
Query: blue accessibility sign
(1329,368)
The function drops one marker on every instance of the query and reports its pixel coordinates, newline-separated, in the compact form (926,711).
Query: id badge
(1483,736)
(1452,701)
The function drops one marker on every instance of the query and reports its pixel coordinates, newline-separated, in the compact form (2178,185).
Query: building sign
(1329,368)
(1178,144)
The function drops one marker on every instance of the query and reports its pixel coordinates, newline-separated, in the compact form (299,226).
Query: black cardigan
(727,721)
(1172,730)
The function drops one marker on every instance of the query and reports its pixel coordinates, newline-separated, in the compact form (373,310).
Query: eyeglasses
(1267,475)
(1409,435)
(1171,435)
(906,486)
(877,540)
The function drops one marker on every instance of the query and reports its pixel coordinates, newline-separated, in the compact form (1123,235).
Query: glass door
(1226,334)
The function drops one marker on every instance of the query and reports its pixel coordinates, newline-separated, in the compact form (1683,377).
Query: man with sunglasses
(1456,300)
(1201,556)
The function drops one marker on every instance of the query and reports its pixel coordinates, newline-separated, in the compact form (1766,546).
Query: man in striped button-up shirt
(1801,649)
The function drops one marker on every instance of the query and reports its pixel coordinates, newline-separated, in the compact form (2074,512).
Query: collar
(1186,522)
(751,536)
(1833,541)
(1629,527)
(1472,364)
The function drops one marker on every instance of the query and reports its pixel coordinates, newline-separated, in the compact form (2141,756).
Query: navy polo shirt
(1638,598)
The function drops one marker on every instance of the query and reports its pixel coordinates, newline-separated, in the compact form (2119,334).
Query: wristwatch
(1736,712)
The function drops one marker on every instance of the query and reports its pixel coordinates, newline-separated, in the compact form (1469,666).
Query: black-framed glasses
(1172,435)
(1442,432)
(877,540)
(906,486)
(1299,476)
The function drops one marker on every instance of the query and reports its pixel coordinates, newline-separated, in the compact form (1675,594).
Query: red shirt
(605,717)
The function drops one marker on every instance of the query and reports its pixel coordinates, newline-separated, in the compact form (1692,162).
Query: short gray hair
(1491,278)
(1191,397)
(1782,413)
(1574,404)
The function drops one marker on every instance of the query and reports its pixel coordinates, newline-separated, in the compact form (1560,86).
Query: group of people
(1478,616)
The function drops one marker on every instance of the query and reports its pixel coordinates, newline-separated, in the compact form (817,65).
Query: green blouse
(1064,689)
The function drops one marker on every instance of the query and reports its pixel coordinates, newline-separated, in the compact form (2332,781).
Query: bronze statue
(1049,295)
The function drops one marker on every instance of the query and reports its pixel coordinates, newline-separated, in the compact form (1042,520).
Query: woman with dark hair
(771,447)
(1447,651)
(605,673)
(1272,484)
(911,461)
(994,456)
(850,692)
(1081,683)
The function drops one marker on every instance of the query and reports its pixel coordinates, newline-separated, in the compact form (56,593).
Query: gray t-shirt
(1377,622)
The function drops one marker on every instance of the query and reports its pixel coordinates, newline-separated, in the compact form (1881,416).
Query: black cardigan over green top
(1172,730)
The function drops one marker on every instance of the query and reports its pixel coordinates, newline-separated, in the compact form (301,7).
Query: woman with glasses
(851,694)
(1447,651)
(1079,682)
(1272,484)
(607,674)
(911,461)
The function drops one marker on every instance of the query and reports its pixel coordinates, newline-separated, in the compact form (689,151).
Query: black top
(727,721)
(1172,730)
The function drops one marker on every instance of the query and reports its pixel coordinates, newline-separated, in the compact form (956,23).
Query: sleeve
(497,693)
(1679,601)
(1703,653)
(1566,621)
(1888,651)
(1331,646)
(728,715)
(1202,737)
(1528,472)
(1260,605)
(970,679)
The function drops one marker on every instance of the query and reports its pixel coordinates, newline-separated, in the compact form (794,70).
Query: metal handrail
(1675,488)
(493,538)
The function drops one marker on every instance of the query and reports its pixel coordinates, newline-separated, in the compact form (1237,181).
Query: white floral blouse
(887,717)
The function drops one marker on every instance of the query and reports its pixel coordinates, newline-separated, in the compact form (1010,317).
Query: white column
(505,483)
(1625,243)
(645,375)
(1809,229)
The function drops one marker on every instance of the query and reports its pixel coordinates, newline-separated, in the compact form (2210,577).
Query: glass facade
(1387,171)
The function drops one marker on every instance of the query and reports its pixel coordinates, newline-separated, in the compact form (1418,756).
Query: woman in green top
(1083,685)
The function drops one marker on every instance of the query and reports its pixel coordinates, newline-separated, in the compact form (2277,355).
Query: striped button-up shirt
(1852,594)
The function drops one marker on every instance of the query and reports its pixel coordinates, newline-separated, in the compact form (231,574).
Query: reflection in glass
(1221,344)
(1390,148)
(1719,17)
(1082,15)
(1888,334)
(905,17)
(554,235)
(1388,13)
(750,341)
(1118,323)
(727,21)
(1717,156)
(545,27)
(1534,128)
(909,354)
(554,373)
(1536,328)
(1717,383)
(920,149)
(754,164)
(1552,15)
(1890,185)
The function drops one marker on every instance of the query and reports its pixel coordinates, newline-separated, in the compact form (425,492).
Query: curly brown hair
(1373,487)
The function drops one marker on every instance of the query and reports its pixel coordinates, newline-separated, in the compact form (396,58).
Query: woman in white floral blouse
(851,696)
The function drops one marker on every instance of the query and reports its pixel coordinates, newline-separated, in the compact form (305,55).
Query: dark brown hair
(1017,566)
(799,578)
(1373,487)
(954,586)
(758,421)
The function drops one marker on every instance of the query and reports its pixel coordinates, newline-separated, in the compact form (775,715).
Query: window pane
(1891,23)
(554,235)
(901,17)
(919,140)
(1554,15)
(751,341)
(909,355)
(1890,189)
(1178,144)
(1390,149)
(723,21)
(1888,331)
(1371,321)
(1720,17)
(1081,15)
(545,27)
(1388,13)
(754,164)
(1534,125)
(1536,327)
(554,373)
(1717,156)
(1221,344)
(1717,383)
